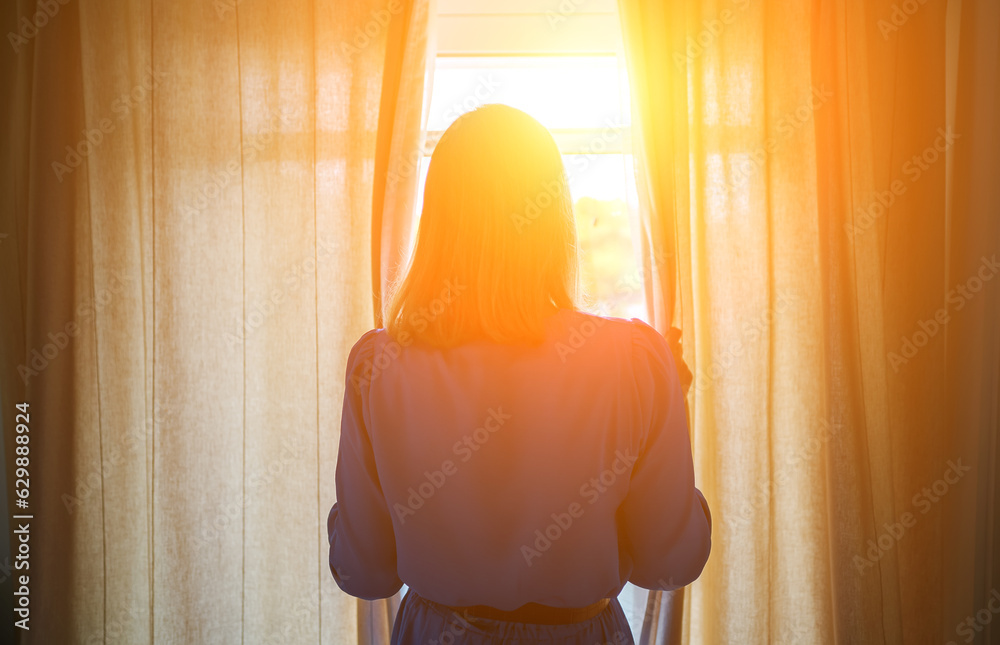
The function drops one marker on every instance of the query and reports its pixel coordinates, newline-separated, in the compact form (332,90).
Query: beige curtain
(188,194)
(807,215)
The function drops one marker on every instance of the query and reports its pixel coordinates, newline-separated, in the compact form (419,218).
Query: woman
(512,459)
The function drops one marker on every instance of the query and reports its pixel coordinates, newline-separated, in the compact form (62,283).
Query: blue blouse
(499,475)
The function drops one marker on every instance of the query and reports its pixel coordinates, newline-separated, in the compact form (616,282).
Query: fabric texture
(815,201)
(421,621)
(499,475)
(186,262)
(190,193)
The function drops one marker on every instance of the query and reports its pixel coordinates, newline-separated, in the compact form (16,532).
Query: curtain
(819,220)
(399,148)
(188,194)
(971,568)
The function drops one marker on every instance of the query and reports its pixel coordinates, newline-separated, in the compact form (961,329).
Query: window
(562,61)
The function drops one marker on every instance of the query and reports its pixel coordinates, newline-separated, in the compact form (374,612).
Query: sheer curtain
(809,240)
(188,203)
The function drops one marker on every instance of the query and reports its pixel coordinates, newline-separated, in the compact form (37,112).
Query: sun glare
(584,102)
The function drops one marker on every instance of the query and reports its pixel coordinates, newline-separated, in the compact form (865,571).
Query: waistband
(535,613)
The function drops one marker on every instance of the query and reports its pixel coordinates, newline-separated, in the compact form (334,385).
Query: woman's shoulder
(664,352)
(638,330)
(648,345)
(640,341)
(576,318)
(366,342)
(364,350)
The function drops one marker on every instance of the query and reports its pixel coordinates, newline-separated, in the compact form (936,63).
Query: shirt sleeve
(362,542)
(665,519)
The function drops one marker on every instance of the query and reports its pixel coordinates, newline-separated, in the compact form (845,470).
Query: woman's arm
(362,542)
(665,519)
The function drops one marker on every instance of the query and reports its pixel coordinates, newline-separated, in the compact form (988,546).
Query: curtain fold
(400,147)
(204,204)
(971,568)
(186,266)
(792,158)
(652,32)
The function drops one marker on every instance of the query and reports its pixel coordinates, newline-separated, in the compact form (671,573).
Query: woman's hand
(677,349)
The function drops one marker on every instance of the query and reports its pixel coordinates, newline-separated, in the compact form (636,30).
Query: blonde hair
(496,247)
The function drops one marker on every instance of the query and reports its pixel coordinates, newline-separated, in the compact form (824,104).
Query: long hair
(496,247)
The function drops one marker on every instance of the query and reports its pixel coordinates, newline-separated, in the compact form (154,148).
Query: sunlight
(562,92)
(584,102)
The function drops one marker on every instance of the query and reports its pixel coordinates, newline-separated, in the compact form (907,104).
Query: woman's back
(507,456)
(502,475)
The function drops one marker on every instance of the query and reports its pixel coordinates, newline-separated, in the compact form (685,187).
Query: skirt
(420,621)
